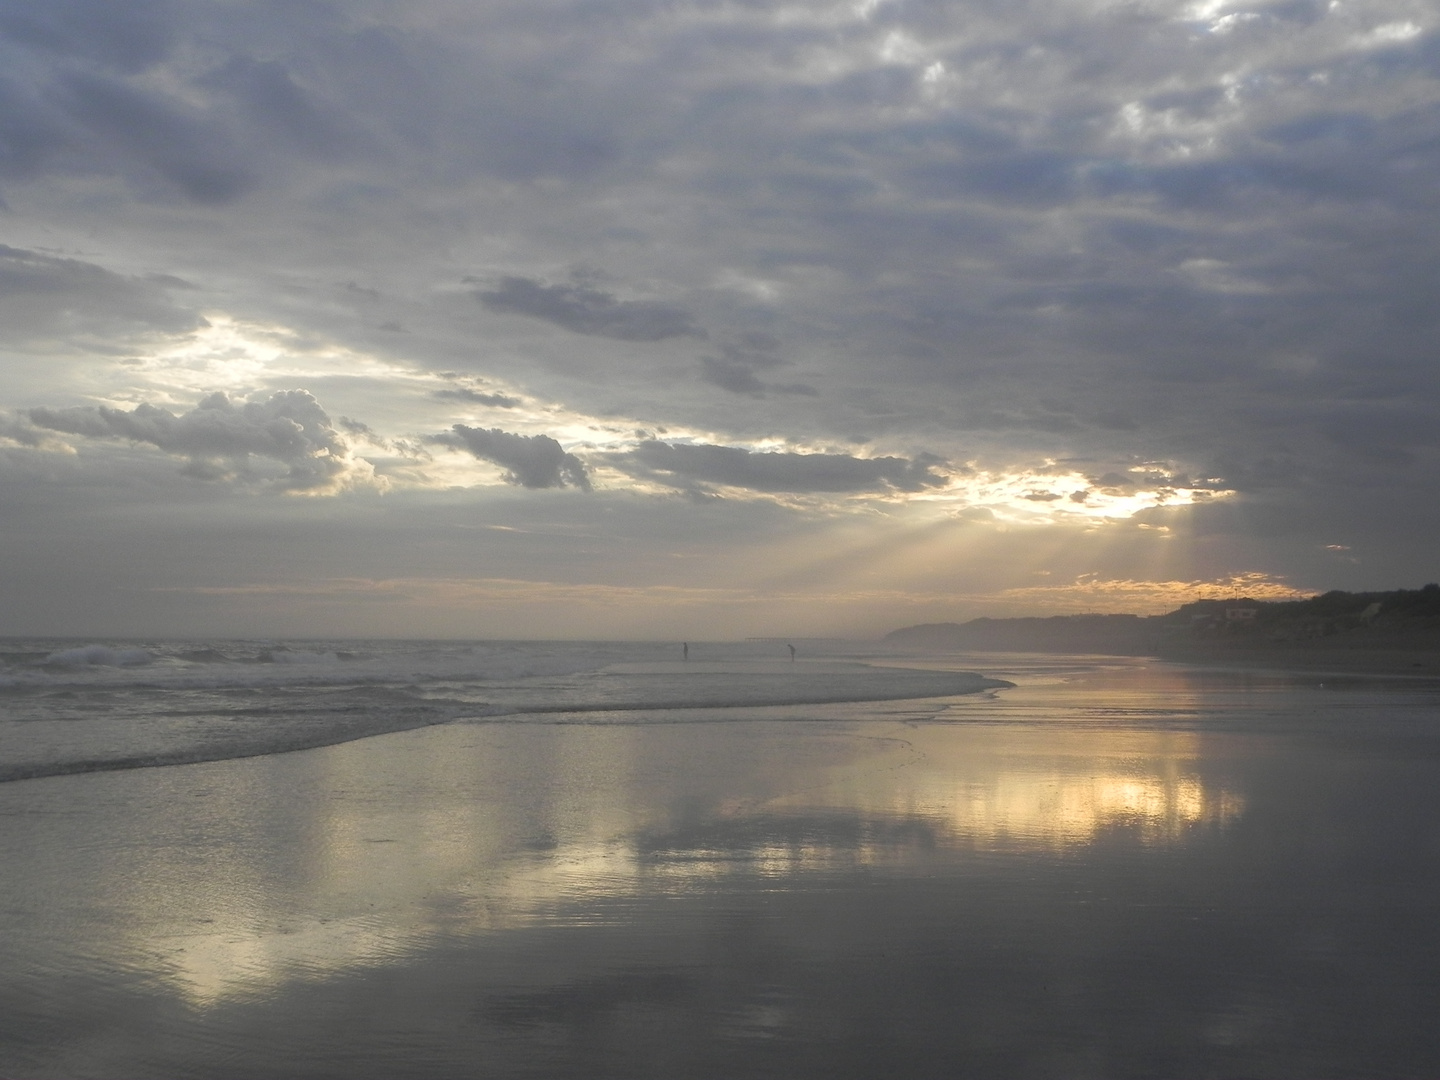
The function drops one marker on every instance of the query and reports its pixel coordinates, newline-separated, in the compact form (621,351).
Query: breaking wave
(100,707)
(97,656)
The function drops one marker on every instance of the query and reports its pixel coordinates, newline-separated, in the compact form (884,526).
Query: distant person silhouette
(685,650)
(792,652)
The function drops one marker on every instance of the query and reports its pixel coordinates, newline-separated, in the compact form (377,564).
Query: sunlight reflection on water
(572,878)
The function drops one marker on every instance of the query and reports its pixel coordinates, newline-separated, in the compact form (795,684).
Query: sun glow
(244,359)
(1047,494)
(241,357)
(1091,592)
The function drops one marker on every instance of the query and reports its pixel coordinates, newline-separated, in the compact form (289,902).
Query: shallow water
(1117,868)
(98,707)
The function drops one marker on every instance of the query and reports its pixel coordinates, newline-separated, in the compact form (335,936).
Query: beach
(1115,868)
(1381,660)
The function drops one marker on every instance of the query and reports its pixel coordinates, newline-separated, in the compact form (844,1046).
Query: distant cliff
(1128,634)
(1402,619)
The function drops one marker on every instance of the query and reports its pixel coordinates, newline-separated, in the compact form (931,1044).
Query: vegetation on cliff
(1398,619)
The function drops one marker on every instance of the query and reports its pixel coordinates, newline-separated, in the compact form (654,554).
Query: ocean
(510,859)
(68,707)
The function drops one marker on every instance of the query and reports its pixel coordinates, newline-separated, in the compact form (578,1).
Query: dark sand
(1377,661)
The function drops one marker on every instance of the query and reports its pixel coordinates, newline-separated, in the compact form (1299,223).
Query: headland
(1395,632)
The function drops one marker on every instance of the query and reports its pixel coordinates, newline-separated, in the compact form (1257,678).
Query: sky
(705,320)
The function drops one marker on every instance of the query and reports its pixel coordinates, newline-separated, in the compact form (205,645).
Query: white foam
(239,664)
(108,706)
(99,656)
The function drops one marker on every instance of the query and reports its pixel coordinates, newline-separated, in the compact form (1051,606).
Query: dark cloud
(31,132)
(219,436)
(127,37)
(21,432)
(267,94)
(584,310)
(532,461)
(685,464)
(1383,432)
(728,375)
(82,99)
(29,272)
(479,397)
(42,295)
(157,133)
(736,367)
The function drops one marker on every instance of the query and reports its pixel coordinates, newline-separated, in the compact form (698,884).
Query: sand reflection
(1078,787)
(402,841)
(577,900)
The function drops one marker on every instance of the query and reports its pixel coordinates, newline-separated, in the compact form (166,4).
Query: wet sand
(1377,661)
(1141,872)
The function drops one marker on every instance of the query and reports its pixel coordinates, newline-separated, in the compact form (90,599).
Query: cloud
(583,310)
(465,393)
(737,378)
(158,134)
(531,461)
(267,95)
(1386,433)
(219,437)
(95,90)
(681,464)
(1099,235)
(736,367)
(42,296)
(18,431)
(127,38)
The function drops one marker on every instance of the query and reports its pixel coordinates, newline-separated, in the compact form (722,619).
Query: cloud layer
(584,310)
(219,437)
(772,471)
(826,260)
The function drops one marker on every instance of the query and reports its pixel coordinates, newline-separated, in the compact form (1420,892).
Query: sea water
(68,707)
(1110,868)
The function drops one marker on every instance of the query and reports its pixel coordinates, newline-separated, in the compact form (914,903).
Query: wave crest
(98,656)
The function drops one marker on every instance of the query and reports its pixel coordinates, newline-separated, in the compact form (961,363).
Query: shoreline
(1339,660)
(1415,663)
(636,710)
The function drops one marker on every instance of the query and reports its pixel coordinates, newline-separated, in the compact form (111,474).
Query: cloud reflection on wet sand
(473,830)
(826,897)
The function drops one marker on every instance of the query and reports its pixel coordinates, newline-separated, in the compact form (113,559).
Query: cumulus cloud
(531,461)
(584,310)
(219,437)
(16,430)
(682,464)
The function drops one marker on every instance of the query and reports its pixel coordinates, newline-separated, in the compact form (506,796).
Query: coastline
(1421,663)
